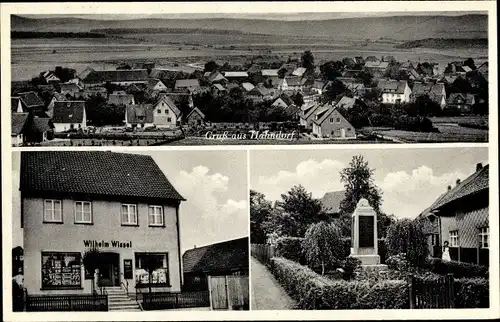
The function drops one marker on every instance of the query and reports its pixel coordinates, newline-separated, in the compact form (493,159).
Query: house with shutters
(460,216)
(121,204)
(394,91)
(329,123)
(219,259)
(69,115)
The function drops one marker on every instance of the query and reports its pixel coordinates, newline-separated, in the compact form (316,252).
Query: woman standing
(446,252)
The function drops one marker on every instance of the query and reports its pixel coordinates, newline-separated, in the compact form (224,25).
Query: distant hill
(400,28)
(443,43)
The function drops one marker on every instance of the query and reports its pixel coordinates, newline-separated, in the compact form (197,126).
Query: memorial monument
(364,245)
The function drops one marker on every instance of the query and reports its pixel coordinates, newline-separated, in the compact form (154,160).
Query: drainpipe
(179,243)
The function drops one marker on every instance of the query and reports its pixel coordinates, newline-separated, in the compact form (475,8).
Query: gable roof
(247,86)
(392,86)
(139,113)
(152,82)
(197,110)
(30,99)
(293,81)
(309,110)
(183,83)
(69,87)
(68,111)
(330,203)
(346,102)
(270,72)
(14,104)
(377,64)
(116,76)
(466,98)
(42,124)
(476,182)
(18,123)
(428,88)
(120,99)
(95,172)
(299,71)
(235,74)
(324,113)
(170,103)
(215,76)
(232,254)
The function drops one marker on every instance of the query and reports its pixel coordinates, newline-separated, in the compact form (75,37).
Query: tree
(407,237)
(308,60)
(425,106)
(210,66)
(282,73)
(295,212)
(260,210)
(322,245)
(470,62)
(91,261)
(358,183)
(333,90)
(366,77)
(331,70)
(298,99)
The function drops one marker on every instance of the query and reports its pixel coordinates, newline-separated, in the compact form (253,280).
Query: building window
(83,212)
(169,119)
(484,237)
(155,262)
(129,214)
(166,111)
(331,120)
(434,239)
(338,120)
(454,238)
(52,211)
(61,270)
(158,111)
(155,215)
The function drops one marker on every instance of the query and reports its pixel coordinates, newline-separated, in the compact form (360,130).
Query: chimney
(479,167)
(458,181)
(449,188)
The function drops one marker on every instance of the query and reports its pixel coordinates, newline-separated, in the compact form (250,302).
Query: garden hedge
(472,293)
(315,292)
(458,269)
(291,248)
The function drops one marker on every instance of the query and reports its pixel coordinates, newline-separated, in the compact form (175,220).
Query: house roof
(293,81)
(152,82)
(69,87)
(377,64)
(392,86)
(183,83)
(270,72)
(247,86)
(219,87)
(114,76)
(324,113)
(215,76)
(318,84)
(255,68)
(120,99)
(170,102)
(346,102)
(68,111)
(466,98)
(476,182)
(31,99)
(279,102)
(42,124)
(197,110)
(14,104)
(18,123)
(330,203)
(309,110)
(427,88)
(140,113)
(95,172)
(299,71)
(47,88)
(235,74)
(232,254)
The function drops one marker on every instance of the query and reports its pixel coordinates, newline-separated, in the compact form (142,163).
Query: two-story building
(394,91)
(328,122)
(121,204)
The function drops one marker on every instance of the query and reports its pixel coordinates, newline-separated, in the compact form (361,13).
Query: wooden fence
(66,303)
(229,292)
(263,252)
(164,300)
(429,294)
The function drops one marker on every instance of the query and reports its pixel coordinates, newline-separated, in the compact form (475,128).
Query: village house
(26,128)
(299,72)
(32,103)
(120,204)
(50,77)
(461,215)
(166,113)
(330,203)
(220,259)
(462,102)
(16,105)
(318,86)
(139,116)
(17,128)
(376,68)
(329,123)
(307,114)
(394,91)
(436,92)
(215,77)
(57,97)
(193,85)
(292,84)
(195,118)
(236,76)
(347,102)
(218,89)
(69,88)
(122,77)
(247,87)
(69,115)
(121,99)
(155,84)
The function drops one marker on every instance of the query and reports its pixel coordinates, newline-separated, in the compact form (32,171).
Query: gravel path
(267,293)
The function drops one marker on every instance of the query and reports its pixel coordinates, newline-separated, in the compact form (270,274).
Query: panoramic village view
(369,230)
(104,81)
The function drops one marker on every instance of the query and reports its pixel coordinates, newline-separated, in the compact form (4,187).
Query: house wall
(335,129)
(106,226)
(166,117)
(194,119)
(61,127)
(16,140)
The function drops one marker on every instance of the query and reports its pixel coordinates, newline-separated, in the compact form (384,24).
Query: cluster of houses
(163,98)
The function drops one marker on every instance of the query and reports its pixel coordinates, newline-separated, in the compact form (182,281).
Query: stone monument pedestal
(364,245)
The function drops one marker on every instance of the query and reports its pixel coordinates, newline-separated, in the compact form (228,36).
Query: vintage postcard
(250,160)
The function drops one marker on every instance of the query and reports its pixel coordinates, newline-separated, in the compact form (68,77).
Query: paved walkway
(267,293)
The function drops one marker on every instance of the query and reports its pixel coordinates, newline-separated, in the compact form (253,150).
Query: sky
(292,16)
(214,184)
(410,179)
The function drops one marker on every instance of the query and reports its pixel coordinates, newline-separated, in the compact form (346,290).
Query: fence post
(411,290)
(450,288)
(227,292)
(210,293)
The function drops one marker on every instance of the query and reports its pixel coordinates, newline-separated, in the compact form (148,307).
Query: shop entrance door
(110,270)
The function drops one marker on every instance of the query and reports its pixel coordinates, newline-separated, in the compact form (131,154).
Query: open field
(448,133)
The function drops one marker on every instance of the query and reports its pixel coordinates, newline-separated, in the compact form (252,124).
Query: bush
(398,262)
(458,269)
(290,248)
(322,245)
(313,291)
(472,293)
(414,124)
(349,265)
(408,237)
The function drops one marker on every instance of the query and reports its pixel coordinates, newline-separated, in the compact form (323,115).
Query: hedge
(472,293)
(458,269)
(291,248)
(315,292)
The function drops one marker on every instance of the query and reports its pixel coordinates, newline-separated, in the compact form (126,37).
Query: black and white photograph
(114,231)
(371,229)
(236,78)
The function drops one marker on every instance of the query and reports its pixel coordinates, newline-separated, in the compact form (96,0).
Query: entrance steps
(118,300)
